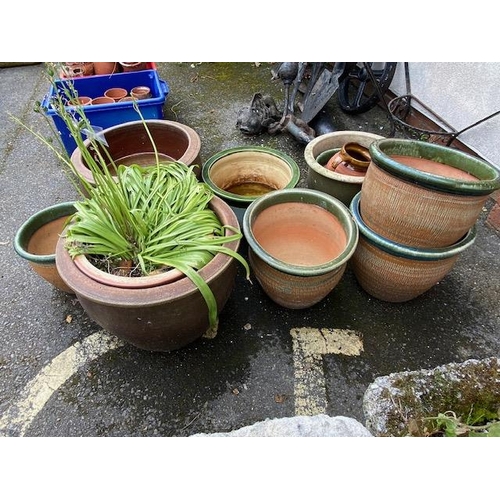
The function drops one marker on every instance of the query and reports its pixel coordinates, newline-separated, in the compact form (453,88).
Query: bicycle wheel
(356,93)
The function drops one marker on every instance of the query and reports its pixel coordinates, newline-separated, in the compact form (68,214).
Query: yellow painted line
(17,419)
(309,347)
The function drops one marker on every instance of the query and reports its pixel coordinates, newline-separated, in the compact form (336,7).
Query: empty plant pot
(300,241)
(37,238)
(116,93)
(320,150)
(241,175)
(422,194)
(394,272)
(129,143)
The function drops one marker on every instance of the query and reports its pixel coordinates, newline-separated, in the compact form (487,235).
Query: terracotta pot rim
(312,162)
(409,252)
(304,195)
(35,222)
(488,175)
(137,297)
(246,200)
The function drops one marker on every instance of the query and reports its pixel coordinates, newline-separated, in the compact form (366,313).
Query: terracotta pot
(394,272)
(77,69)
(140,93)
(37,238)
(162,317)
(320,150)
(105,68)
(133,66)
(423,194)
(102,100)
(82,101)
(352,159)
(129,143)
(300,241)
(241,175)
(116,93)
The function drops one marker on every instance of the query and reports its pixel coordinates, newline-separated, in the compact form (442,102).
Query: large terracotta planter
(320,150)
(300,241)
(154,317)
(423,194)
(241,175)
(393,272)
(37,238)
(129,143)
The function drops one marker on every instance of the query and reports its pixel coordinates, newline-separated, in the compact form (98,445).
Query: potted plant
(166,243)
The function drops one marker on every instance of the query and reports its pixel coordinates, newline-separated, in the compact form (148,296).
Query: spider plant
(153,218)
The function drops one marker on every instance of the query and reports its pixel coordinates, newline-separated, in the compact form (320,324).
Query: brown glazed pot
(37,238)
(320,150)
(300,241)
(393,272)
(155,318)
(129,143)
(422,194)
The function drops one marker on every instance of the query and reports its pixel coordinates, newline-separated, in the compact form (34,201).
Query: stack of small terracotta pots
(416,212)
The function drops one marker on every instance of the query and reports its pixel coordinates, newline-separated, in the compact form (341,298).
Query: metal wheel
(357,93)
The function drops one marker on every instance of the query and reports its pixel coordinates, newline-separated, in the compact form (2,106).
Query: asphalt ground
(61,375)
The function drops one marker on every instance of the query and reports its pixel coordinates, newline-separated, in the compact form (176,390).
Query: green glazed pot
(37,238)
(300,241)
(241,175)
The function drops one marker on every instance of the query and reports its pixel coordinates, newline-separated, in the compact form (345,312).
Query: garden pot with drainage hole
(241,175)
(300,241)
(319,152)
(422,194)
(37,238)
(394,272)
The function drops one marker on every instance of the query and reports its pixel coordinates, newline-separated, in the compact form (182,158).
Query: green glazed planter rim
(313,197)
(487,173)
(246,200)
(35,222)
(413,253)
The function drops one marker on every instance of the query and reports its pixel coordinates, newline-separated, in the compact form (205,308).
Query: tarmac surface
(62,375)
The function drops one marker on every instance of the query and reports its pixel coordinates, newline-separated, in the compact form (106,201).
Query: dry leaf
(69,318)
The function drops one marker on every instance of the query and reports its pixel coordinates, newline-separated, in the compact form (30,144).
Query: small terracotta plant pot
(37,238)
(102,100)
(116,93)
(319,152)
(241,175)
(422,194)
(151,315)
(140,93)
(129,143)
(133,66)
(300,241)
(82,101)
(105,68)
(393,272)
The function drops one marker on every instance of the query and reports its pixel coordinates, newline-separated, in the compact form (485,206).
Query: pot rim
(487,173)
(408,252)
(320,169)
(84,285)
(313,197)
(35,222)
(205,171)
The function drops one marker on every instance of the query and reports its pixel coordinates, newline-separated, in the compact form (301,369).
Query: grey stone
(299,426)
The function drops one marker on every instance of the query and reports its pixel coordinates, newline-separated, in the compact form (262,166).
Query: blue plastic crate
(107,115)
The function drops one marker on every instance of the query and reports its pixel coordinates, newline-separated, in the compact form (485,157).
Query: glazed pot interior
(399,157)
(300,231)
(245,174)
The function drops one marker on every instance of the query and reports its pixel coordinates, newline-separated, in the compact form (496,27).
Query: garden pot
(37,238)
(105,68)
(133,66)
(422,194)
(243,174)
(161,317)
(103,99)
(141,92)
(129,143)
(299,243)
(393,272)
(320,150)
(116,93)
